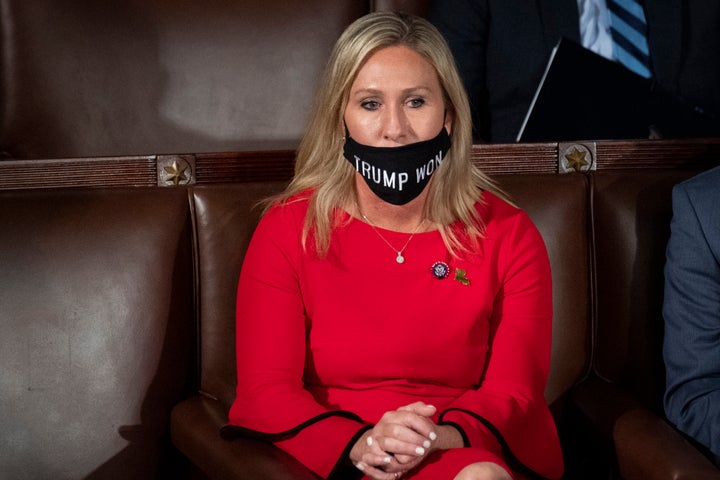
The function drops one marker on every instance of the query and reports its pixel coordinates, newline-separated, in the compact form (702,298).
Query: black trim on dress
(231,432)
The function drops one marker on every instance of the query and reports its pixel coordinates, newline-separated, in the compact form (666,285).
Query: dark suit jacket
(502,47)
(692,310)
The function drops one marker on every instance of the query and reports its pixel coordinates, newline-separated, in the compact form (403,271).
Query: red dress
(326,345)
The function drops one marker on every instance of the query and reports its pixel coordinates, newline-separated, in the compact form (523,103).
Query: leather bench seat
(117,327)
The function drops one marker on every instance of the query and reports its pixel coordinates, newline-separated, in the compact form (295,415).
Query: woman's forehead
(398,66)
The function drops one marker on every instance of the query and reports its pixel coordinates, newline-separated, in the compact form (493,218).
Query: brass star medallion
(175,170)
(577,159)
(176,173)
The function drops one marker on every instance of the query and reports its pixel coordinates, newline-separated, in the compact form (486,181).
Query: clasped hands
(400,441)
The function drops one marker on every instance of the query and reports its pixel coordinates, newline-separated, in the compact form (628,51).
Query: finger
(412,420)
(377,473)
(407,427)
(419,408)
(382,460)
(396,446)
(404,459)
(374,447)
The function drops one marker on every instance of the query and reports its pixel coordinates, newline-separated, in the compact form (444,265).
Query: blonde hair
(320,166)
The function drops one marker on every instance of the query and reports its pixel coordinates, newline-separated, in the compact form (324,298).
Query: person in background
(394,312)
(691,310)
(502,47)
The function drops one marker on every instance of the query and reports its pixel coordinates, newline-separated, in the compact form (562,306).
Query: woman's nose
(395,125)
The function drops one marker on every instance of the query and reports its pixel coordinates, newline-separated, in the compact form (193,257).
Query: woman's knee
(483,471)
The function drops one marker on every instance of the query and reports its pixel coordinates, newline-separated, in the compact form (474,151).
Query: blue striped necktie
(629,32)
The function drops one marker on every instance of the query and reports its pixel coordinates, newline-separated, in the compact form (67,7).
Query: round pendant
(400,258)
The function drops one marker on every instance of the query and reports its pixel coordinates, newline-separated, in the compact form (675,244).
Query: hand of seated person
(397,443)
(400,441)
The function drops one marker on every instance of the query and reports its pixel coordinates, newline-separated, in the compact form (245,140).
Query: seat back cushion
(557,204)
(225,218)
(132,77)
(632,213)
(96,327)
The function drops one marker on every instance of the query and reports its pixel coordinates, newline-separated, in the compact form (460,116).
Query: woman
(394,313)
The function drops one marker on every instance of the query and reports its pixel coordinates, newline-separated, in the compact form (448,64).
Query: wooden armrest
(646,446)
(195,430)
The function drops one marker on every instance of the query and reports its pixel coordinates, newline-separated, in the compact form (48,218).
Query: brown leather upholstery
(226,217)
(558,206)
(96,331)
(622,401)
(632,214)
(195,432)
(134,77)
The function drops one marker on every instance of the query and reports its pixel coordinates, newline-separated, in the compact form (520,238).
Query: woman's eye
(416,102)
(370,105)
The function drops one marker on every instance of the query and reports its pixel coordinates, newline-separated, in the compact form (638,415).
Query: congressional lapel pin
(440,270)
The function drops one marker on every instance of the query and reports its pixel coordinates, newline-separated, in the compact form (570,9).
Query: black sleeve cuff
(344,468)
(231,432)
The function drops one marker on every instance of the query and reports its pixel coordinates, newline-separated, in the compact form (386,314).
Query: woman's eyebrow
(374,91)
(371,91)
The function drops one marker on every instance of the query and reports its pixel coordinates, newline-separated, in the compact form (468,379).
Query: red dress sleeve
(271,402)
(509,404)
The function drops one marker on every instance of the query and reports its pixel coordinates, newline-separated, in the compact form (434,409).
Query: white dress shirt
(595,27)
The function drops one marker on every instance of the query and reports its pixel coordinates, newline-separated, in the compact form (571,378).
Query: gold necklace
(400,258)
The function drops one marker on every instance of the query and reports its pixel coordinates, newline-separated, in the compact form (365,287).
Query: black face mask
(398,174)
